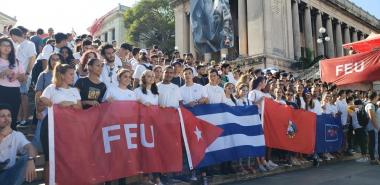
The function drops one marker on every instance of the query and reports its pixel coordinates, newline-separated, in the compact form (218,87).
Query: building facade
(6,20)
(281,32)
(111,27)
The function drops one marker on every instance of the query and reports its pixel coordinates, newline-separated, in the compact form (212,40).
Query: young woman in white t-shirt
(59,93)
(121,93)
(242,95)
(328,105)
(147,93)
(157,74)
(228,98)
(256,96)
(279,94)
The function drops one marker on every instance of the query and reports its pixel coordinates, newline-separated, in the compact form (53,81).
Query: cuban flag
(241,133)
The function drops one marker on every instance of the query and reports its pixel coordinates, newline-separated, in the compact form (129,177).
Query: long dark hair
(12,54)
(256,82)
(50,67)
(70,58)
(153,88)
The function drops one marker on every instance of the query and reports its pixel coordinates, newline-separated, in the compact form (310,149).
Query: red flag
(114,141)
(289,129)
(199,135)
(363,67)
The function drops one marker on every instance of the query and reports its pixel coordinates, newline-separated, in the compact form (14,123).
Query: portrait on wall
(211,25)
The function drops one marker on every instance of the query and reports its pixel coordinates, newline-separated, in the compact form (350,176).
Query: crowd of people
(83,72)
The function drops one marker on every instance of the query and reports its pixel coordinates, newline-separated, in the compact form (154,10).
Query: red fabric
(363,67)
(276,128)
(79,142)
(209,133)
(369,44)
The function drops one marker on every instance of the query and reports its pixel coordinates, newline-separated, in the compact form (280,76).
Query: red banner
(289,129)
(115,140)
(363,67)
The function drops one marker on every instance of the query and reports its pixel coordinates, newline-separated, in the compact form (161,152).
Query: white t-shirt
(61,94)
(257,97)
(243,102)
(24,52)
(110,81)
(317,107)
(77,55)
(140,69)
(118,94)
(368,107)
(192,93)
(146,98)
(134,63)
(342,106)
(215,94)
(12,145)
(169,95)
(228,101)
(330,109)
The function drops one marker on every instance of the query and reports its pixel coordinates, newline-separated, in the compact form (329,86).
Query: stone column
(330,44)
(339,42)
(110,36)
(180,28)
(347,38)
(308,31)
(243,37)
(191,40)
(296,30)
(355,35)
(321,48)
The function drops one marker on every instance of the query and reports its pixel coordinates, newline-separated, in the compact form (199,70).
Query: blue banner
(329,134)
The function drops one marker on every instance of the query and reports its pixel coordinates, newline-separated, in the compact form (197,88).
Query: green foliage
(151,22)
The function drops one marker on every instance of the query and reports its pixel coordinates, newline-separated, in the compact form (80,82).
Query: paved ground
(346,173)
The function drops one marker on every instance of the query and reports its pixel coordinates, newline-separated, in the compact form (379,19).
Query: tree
(151,22)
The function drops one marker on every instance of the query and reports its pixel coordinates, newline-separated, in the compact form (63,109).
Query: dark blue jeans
(16,174)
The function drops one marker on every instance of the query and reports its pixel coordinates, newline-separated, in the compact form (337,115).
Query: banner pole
(51,146)
(189,160)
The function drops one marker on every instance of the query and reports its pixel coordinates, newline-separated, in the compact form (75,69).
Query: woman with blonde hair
(147,93)
(59,93)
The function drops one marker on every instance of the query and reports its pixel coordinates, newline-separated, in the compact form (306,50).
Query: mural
(211,25)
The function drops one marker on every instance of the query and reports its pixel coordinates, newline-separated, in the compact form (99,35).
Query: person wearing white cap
(143,66)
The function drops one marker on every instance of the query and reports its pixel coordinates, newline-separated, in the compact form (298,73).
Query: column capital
(338,21)
(354,29)
(320,12)
(296,1)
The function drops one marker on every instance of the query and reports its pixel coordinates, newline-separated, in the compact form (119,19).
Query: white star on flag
(198,133)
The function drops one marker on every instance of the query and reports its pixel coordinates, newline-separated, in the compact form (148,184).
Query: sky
(80,14)
(72,14)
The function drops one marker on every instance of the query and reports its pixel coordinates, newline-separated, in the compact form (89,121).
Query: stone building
(111,26)
(6,20)
(280,32)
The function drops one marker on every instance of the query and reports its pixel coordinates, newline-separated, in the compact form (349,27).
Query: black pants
(44,137)
(372,144)
(350,137)
(361,140)
(11,96)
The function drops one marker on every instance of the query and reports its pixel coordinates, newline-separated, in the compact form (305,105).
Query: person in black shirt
(91,88)
(177,79)
(202,77)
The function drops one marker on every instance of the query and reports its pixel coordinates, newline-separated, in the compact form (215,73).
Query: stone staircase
(311,72)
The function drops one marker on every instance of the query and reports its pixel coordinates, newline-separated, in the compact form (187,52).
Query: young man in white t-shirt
(214,92)
(109,72)
(26,55)
(192,93)
(169,94)
(373,127)
(14,171)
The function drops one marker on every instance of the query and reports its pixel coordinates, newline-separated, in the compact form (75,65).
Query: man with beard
(202,75)
(109,72)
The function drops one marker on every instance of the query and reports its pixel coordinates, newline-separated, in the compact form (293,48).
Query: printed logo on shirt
(93,93)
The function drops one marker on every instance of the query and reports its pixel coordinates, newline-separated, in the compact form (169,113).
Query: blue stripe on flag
(233,128)
(230,154)
(242,135)
(219,108)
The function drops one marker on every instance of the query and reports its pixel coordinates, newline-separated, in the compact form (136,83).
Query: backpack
(362,116)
